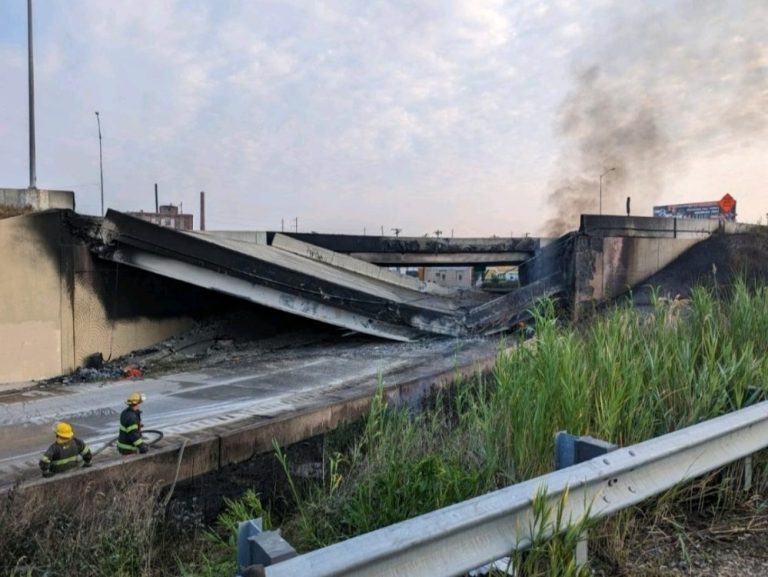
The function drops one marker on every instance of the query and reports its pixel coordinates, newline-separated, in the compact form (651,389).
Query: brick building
(168,215)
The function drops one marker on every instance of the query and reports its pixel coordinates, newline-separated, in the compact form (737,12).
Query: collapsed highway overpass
(294,276)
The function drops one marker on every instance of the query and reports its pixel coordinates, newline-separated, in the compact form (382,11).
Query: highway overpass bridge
(405,251)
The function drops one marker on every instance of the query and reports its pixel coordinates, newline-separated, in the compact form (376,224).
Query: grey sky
(466,115)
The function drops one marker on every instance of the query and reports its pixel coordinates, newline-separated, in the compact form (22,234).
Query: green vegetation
(627,377)
(215,548)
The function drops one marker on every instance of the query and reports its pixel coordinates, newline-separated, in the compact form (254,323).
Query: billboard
(723,209)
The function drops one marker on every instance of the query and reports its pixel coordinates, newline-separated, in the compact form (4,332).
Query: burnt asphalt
(238,390)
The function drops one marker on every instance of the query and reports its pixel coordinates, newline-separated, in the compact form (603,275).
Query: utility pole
(296,224)
(157,203)
(101,167)
(32,169)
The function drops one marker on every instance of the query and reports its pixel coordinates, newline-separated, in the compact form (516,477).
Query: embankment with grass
(626,377)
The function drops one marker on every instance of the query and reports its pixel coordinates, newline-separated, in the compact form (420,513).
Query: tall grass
(628,377)
(116,530)
(108,532)
(632,375)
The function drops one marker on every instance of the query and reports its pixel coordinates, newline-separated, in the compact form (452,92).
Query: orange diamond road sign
(727,203)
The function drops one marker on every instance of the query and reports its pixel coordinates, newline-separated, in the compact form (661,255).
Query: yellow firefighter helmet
(135,399)
(64,430)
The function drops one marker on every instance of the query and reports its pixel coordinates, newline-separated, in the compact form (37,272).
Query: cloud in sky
(351,115)
(666,89)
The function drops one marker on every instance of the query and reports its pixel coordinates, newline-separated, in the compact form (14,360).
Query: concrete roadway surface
(241,390)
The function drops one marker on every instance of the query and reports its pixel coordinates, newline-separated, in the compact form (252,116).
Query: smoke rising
(662,89)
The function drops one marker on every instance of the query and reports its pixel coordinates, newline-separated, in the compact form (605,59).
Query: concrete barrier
(36,199)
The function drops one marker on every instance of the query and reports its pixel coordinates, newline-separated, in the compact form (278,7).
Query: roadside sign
(727,203)
(723,209)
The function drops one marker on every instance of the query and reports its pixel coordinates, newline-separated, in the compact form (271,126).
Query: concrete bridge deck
(410,250)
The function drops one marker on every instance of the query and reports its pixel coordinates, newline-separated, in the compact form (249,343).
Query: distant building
(458,277)
(168,216)
(723,209)
(501,274)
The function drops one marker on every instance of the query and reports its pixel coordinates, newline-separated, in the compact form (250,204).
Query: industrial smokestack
(202,210)
(157,203)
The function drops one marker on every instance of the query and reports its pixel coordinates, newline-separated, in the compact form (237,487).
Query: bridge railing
(467,535)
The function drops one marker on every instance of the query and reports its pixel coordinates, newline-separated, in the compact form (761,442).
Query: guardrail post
(747,473)
(258,547)
(572,450)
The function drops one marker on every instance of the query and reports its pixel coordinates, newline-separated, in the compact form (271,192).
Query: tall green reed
(628,376)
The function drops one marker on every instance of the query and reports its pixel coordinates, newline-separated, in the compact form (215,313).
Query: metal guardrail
(459,538)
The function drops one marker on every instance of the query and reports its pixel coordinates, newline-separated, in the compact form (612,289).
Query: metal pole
(157,201)
(101,166)
(601,194)
(32,170)
(202,210)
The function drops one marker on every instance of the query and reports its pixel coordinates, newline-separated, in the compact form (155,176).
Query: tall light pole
(601,187)
(32,172)
(101,167)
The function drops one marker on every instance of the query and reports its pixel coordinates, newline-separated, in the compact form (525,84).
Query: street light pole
(101,167)
(601,187)
(32,170)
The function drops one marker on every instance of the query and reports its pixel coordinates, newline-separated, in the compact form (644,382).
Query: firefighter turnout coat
(64,455)
(129,440)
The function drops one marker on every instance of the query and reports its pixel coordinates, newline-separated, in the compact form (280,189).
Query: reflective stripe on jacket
(64,456)
(129,438)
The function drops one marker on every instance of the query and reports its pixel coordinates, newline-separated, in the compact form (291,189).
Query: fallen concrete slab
(283,280)
(296,277)
(358,266)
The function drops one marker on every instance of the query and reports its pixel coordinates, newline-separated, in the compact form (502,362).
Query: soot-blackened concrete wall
(59,303)
(607,267)
(35,299)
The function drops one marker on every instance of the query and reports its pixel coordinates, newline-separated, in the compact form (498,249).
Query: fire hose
(156,437)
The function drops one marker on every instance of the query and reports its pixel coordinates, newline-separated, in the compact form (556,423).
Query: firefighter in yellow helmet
(130,441)
(66,453)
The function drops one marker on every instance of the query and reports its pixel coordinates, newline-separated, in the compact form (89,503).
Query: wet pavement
(240,392)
